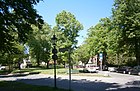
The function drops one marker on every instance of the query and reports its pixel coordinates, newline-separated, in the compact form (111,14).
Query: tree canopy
(67,29)
(126,20)
(40,43)
(119,35)
(16,18)
(69,26)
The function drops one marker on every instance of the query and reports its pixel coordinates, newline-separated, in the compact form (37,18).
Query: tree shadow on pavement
(83,84)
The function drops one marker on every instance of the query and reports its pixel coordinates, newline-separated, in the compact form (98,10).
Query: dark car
(135,71)
(123,69)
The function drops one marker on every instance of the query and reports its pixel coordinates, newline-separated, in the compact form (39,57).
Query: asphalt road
(83,82)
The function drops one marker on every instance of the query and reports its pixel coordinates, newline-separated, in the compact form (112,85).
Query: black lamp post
(54,57)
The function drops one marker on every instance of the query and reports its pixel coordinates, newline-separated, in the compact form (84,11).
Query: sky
(87,12)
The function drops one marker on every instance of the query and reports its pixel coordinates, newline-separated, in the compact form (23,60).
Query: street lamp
(54,57)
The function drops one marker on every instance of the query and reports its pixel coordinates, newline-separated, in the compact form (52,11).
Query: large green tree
(40,43)
(16,17)
(103,37)
(126,20)
(98,40)
(68,28)
(12,59)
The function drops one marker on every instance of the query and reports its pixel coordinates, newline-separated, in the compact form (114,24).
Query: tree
(12,59)
(40,43)
(81,54)
(16,18)
(68,28)
(98,37)
(126,19)
(103,37)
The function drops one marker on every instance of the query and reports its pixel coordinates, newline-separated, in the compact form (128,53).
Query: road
(83,82)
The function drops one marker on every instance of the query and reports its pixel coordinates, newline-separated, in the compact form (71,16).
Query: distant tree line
(118,36)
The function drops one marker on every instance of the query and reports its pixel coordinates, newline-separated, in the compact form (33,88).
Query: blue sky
(87,12)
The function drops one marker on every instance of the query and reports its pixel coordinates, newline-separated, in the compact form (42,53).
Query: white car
(90,68)
(2,67)
(112,69)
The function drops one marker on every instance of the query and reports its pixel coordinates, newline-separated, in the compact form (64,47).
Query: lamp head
(54,39)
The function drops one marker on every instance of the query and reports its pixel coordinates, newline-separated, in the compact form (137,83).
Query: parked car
(135,71)
(2,67)
(91,68)
(80,68)
(123,69)
(112,69)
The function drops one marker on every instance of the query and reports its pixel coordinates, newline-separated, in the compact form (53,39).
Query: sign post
(101,60)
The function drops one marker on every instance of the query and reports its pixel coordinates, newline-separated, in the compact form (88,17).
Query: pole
(101,61)
(69,71)
(54,56)
(54,73)
(101,64)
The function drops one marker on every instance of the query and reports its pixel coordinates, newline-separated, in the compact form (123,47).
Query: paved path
(116,82)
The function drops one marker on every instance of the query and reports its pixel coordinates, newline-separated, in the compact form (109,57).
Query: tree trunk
(104,58)
(137,54)
(19,65)
(38,64)
(10,65)
(47,64)
(117,59)
(64,64)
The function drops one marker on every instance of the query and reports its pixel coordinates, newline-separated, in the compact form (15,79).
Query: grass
(44,71)
(60,71)
(22,70)
(39,70)
(18,86)
(4,72)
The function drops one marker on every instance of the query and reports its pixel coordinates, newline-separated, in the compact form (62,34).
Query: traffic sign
(63,49)
(101,56)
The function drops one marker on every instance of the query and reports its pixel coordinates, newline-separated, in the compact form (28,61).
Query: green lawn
(60,71)
(4,72)
(44,71)
(40,70)
(17,86)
